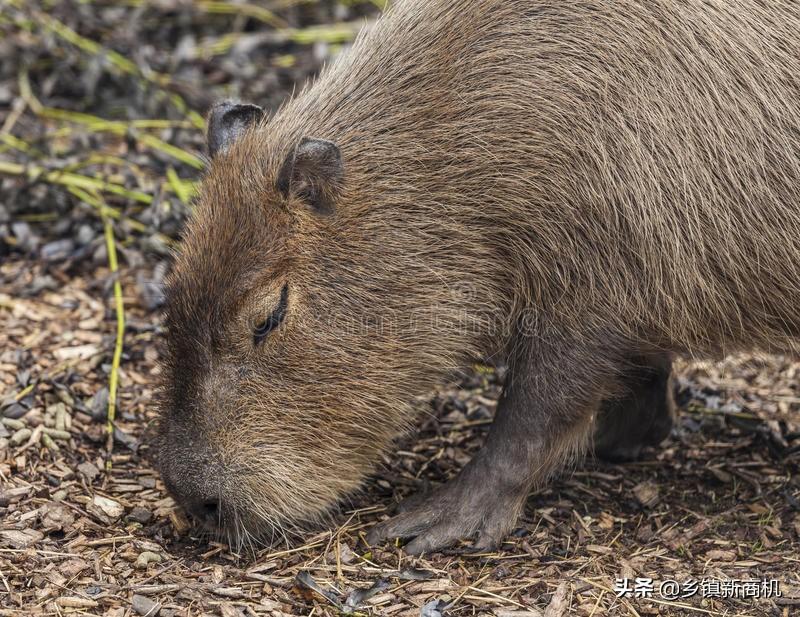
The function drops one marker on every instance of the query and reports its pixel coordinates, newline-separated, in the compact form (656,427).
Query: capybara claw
(425,538)
(454,512)
(442,534)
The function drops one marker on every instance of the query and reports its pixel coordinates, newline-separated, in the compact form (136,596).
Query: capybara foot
(458,510)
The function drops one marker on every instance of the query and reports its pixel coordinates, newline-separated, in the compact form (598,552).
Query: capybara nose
(199,492)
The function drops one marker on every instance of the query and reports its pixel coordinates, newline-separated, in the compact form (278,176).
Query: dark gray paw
(458,510)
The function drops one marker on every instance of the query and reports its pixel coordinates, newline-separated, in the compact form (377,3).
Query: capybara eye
(274,320)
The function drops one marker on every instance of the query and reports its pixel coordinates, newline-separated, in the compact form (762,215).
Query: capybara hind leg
(543,417)
(642,414)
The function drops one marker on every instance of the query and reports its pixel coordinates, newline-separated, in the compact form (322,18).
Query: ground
(101,109)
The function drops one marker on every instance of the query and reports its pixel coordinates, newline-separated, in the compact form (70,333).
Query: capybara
(580,188)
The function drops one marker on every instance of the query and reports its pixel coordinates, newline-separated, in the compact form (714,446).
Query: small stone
(722,476)
(434,608)
(346,555)
(105,509)
(145,606)
(88,470)
(26,240)
(14,411)
(85,234)
(126,439)
(58,250)
(42,283)
(140,515)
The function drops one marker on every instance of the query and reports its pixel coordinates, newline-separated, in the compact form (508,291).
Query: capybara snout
(195,481)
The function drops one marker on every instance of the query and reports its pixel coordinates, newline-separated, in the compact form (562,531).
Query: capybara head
(301,321)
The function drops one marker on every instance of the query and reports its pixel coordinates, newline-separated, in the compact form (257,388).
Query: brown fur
(626,171)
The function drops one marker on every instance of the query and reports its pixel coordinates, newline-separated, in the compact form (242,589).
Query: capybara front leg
(543,417)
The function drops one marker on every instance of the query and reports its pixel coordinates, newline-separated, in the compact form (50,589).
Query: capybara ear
(226,123)
(313,171)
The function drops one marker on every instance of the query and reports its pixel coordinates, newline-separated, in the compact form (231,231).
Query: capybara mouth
(224,522)
(243,497)
(242,530)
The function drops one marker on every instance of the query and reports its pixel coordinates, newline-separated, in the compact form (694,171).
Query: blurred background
(102,107)
(104,101)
